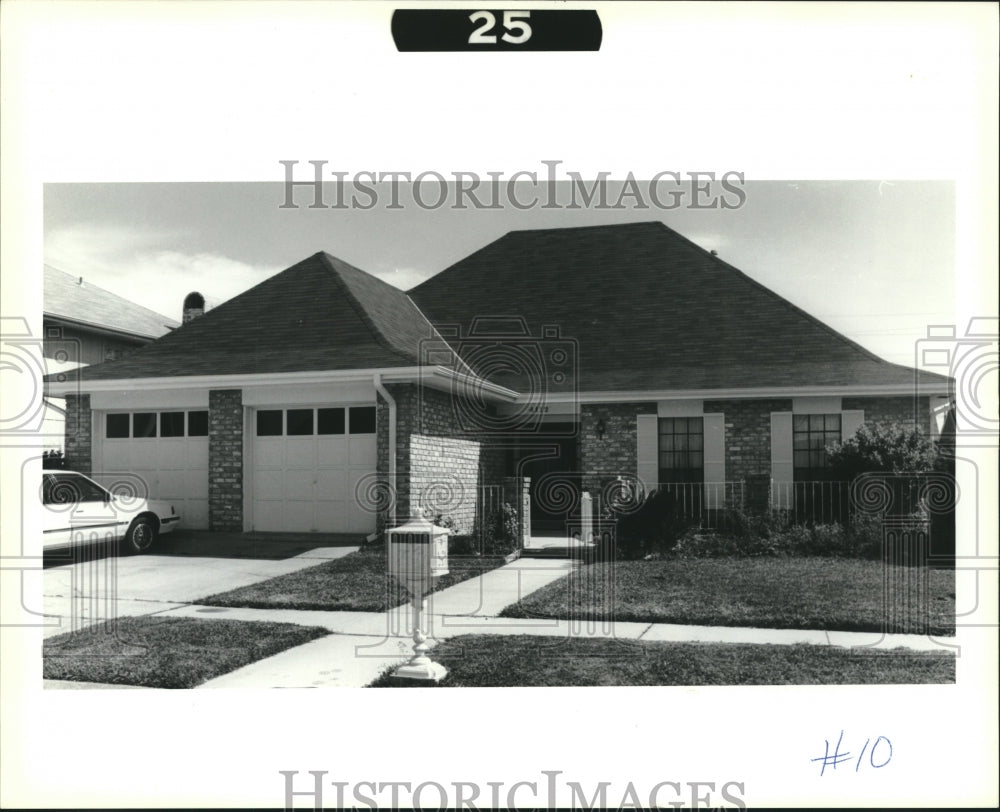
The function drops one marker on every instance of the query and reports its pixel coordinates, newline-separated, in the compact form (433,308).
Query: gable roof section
(70,298)
(650,310)
(319,314)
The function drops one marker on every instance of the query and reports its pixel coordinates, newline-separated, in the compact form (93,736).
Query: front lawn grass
(523,660)
(357,582)
(778,593)
(166,652)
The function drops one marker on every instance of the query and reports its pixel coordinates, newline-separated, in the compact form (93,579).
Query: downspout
(392,443)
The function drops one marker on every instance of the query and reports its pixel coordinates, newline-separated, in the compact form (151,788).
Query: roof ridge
(369,322)
(380,338)
(591,227)
(436,334)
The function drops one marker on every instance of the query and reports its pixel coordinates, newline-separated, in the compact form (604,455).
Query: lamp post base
(429,671)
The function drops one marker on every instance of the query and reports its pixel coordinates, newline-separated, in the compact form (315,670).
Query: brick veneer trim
(225,459)
(79,434)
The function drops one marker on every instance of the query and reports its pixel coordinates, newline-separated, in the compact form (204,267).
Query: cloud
(133,263)
(404,278)
(218,278)
(709,240)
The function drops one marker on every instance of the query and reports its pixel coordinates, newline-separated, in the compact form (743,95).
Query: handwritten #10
(879,755)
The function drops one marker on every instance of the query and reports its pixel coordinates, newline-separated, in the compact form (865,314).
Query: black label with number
(496,30)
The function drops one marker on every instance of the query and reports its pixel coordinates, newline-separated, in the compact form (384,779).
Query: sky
(875,260)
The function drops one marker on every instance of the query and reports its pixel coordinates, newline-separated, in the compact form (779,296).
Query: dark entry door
(552,465)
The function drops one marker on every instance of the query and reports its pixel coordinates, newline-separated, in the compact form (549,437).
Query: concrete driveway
(79,594)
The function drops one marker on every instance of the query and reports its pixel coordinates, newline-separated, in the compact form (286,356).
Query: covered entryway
(306,466)
(552,465)
(164,452)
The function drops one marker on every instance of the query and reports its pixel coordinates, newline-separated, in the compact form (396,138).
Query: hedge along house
(571,356)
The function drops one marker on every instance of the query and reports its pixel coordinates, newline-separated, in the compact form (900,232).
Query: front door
(552,464)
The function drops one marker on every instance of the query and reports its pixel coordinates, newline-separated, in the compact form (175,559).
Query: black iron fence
(709,505)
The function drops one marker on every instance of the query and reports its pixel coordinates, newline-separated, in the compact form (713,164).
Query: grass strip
(480,661)
(166,652)
(779,593)
(357,582)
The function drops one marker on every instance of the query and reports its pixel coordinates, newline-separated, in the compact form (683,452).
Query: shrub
(888,448)
(826,540)
(462,545)
(654,528)
(499,531)
(864,536)
(769,535)
(53,459)
(440,520)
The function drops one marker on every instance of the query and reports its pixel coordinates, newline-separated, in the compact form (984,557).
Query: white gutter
(436,377)
(392,442)
(870,390)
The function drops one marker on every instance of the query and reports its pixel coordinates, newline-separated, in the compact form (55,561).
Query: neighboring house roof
(72,299)
(320,314)
(650,310)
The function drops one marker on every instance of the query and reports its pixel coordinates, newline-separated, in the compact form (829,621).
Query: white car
(78,510)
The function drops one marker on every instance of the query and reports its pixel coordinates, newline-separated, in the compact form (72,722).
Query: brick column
(225,459)
(79,443)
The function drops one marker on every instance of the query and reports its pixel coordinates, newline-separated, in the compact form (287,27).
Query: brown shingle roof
(73,298)
(650,310)
(320,314)
(645,308)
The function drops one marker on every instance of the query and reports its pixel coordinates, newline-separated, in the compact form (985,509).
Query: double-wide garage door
(309,465)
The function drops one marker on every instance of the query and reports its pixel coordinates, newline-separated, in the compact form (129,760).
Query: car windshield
(66,489)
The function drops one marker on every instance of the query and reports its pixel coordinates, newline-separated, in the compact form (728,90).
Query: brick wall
(79,442)
(748,434)
(886,410)
(443,471)
(225,459)
(615,453)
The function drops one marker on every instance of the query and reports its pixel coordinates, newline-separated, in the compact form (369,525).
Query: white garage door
(306,465)
(167,450)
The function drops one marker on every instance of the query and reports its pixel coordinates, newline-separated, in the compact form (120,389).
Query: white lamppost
(417,554)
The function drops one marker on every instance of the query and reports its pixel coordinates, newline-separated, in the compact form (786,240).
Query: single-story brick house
(567,355)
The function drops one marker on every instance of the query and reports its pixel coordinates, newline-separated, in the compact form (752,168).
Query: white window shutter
(715,460)
(782,460)
(850,422)
(647,436)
